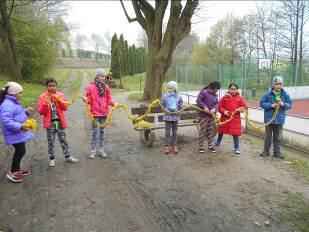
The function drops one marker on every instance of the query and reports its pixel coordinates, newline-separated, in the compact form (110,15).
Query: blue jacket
(12,117)
(268,99)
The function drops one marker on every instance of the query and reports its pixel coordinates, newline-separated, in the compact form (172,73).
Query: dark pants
(235,139)
(171,139)
(20,150)
(273,133)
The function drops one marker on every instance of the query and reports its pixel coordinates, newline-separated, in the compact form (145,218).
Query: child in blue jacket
(274,98)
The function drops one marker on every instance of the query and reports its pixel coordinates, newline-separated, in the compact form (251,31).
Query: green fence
(249,77)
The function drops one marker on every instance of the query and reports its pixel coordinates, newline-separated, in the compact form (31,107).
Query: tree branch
(130,20)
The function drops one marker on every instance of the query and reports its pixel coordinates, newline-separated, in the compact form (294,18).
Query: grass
(31,91)
(61,75)
(135,96)
(134,83)
(75,87)
(299,165)
(292,207)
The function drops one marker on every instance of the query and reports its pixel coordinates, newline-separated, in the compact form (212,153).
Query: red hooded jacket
(231,103)
(45,109)
(99,104)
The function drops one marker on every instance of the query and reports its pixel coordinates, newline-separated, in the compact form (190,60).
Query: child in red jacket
(99,98)
(54,120)
(227,105)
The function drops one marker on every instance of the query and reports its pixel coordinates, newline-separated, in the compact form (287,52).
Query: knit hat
(100,72)
(172,85)
(278,80)
(14,88)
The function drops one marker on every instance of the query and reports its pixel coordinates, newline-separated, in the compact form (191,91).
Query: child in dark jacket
(208,101)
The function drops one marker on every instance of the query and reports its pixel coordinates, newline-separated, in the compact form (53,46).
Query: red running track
(300,107)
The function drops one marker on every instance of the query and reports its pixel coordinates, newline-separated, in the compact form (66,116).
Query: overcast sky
(100,16)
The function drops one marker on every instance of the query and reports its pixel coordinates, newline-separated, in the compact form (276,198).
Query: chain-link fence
(252,81)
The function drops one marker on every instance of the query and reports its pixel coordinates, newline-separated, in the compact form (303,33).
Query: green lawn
(61,75)
(31,91)
(75,87)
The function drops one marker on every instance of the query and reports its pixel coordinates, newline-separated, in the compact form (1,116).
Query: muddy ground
(139,189)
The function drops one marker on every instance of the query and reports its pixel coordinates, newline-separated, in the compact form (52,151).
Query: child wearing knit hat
(276,97)
(173,102)
(13,118)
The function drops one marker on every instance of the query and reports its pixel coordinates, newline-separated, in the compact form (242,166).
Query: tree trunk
(295,75)
(155,76)
(8,41)
(300,66)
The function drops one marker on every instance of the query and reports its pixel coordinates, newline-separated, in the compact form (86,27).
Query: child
(13,116)
(208,101)
(54,120)
(173,102)
(99,98)
(276,97)
(227,105)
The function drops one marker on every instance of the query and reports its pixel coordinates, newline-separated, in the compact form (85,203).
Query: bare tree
(80,42)
(98,44)
(161,45)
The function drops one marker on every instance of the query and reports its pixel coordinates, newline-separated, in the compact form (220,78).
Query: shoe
(279,156)
(197,120)
(166,150)
(52,163)
(92,154)
(216,143)
(23,172)
(237,150)
(212,149)
(263,154)
(201,150)
(102,154)
(71,159)
(15,177)
(175,149)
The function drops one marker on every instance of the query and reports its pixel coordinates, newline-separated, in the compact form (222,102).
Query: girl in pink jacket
(99,98)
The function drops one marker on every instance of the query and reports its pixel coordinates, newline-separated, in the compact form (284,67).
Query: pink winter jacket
(98,104)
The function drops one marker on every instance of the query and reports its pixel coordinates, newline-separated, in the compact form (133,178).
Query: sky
(87,17)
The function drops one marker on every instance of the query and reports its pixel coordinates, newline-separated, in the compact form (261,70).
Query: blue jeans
(100,120)
(235,139)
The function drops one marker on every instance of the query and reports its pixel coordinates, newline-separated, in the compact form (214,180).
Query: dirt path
(139,189)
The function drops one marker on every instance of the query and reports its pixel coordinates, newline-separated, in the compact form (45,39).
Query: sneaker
(52,163)
(201,150)
(23,172)
(212,149)
(263,154)
(102,154)
(175,149)
(216,143)
(14,177)
(92,155)
(71,159)
(279,156)
(166,150)
(237,150)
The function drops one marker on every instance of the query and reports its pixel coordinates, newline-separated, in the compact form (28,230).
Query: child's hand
(226,113)
(274,105)
(47,101)
(281,103)
(212,111)
(29,110)
(84,99)
(206,110)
